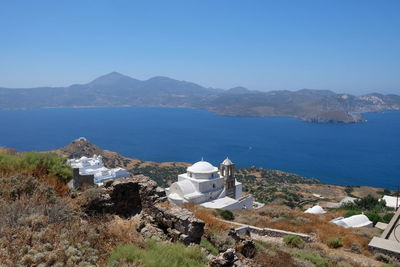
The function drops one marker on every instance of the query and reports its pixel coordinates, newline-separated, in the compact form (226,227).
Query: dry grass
(164,204)
(280,217)
(273,258)
(41,224)
(124,231)
(209,217)
(39,172)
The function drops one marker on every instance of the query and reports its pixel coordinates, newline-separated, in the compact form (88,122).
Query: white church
(204,184)
(94,166)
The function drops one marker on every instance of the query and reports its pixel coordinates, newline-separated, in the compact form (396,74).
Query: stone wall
(271,232)
(178,223)
(79,180)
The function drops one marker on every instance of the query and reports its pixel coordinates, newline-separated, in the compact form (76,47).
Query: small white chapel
(204,184)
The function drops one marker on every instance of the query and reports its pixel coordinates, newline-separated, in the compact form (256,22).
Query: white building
(94,166)
(391,202)
(315,210)
(355,221)
(204,184)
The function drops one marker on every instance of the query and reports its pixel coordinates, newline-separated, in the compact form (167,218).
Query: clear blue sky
(342,45)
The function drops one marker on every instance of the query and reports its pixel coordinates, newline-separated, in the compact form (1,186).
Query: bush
(368,203)
(204,243)
(226,214)
(314,258)
(17,212)
(334,242)
(373,217)
(37,163)
(351,213)
(158,254)
(294,241)
(387,217)
(385,258)
(356,248)
(349,189)
(14,187)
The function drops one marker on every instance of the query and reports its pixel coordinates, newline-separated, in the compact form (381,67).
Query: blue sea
(346,154)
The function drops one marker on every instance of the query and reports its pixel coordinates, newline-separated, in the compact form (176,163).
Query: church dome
(202,167)
(227,162)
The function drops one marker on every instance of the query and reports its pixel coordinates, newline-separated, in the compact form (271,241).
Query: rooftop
(202,167)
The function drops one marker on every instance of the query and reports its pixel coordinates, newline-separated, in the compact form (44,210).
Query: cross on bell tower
(227,170)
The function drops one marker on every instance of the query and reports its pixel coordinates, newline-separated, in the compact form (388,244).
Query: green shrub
(387,217)
(41,163)
(373,217)
(351,213)
(349,189)
(356,248)
(387,192)
(294,241)
(368,203)
(158,254)
(315,258)
(334,242)
(204,243)
(226,214)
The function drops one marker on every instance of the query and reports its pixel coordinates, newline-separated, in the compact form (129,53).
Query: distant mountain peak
(112,78)
(238,90)
(160,78)
(113,75)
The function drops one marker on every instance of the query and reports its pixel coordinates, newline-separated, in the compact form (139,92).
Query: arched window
(213,185)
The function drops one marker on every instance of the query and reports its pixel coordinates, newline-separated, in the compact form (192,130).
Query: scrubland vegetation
(42,223)
(39,224)
(284,218)
(158,254)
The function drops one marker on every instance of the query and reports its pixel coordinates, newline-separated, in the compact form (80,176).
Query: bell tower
(227,169)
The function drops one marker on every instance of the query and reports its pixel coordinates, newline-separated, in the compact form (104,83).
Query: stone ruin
(140,196)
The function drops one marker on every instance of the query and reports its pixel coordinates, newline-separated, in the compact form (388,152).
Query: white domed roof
(202,167)
(227,162)
(315,210)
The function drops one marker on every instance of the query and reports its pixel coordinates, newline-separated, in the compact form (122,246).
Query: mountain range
(115,89)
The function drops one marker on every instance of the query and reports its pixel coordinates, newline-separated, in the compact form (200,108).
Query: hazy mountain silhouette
(115,89)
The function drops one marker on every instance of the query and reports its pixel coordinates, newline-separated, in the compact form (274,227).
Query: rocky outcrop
(139,195)
(244,246)
(226,259)
(124,197)
(83,147)
(177,223)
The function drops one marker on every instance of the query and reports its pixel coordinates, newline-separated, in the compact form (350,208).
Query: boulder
(244,246)
(247,248)
(225,259)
